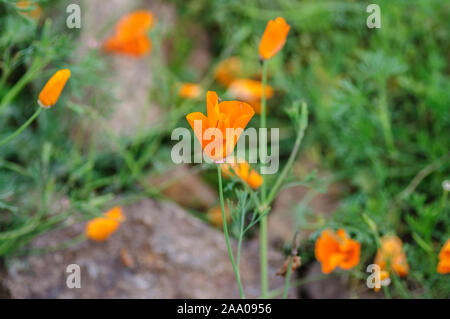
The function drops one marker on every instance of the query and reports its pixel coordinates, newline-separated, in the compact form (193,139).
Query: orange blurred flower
(391,256)
(244,172)
(384,279)
(219,131)
(250,91)
(228,70)
(336,250)
(274,38)
(444,259)
(100,228)
(33,10)
(215,216)
(131,37)
(190,90)
(49,95)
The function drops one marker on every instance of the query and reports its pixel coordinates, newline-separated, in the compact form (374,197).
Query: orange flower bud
(53,88)
(215,215)
(274,38)
(244,172)
(100,228)
(337,250)
(190,91)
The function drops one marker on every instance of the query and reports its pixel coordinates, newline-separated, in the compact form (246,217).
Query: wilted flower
(53,88)
(224,123)
(100,228)
(131,37)
(228,70)
(391,256)
(336,250)
(244,172)
(444,259)
(274,38)
(189,90)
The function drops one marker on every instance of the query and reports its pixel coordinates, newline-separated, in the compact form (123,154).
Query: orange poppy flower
(219,131)
(274,38)
(33,10)
(190,91)
(215,215)
(391,256)
(100,228)
(53,88)
(244,172)
(444,259)
(131,37)
(228,70)
(336,250)
(250,91)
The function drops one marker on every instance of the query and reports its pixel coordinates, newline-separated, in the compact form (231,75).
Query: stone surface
(160,251)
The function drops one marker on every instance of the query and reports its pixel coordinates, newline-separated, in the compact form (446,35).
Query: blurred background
(375,156)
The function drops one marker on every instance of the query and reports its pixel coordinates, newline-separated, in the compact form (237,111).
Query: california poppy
(53,88)
(336,250)
(274,38)
(223,125)
(391,256)
(189,90)
(131,37)
(444,259)
(228,70)
(384,280)
(250,91)
(244,172)
(100,228)
(32,10)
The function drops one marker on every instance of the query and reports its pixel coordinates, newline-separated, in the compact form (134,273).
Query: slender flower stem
(288,278)
(20,129)
(292,156)
(263,222)
(227,237)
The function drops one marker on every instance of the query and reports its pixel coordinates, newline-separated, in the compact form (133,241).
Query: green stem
(227,237)
(288,278)
(292,156)
(263,223)
(36,66)
(20,129)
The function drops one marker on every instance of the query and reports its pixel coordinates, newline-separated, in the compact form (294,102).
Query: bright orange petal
(100,228)
(53,88)
(274,38)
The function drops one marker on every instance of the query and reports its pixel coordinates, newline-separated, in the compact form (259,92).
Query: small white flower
(446,185)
